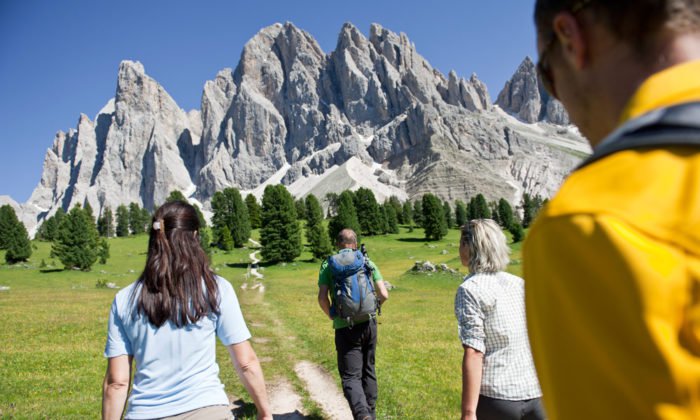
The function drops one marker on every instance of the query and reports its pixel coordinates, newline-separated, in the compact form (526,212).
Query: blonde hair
(488,250)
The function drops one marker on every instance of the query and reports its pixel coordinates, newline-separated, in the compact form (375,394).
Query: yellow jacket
(612,275)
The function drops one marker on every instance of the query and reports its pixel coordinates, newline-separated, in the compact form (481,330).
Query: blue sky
(60,58)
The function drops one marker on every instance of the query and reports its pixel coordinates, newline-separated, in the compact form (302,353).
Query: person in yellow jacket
(612,263)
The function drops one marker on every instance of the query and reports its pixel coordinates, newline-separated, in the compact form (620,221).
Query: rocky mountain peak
(524,96)
(371,113)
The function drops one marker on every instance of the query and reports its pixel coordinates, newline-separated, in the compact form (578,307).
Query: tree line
(78,240)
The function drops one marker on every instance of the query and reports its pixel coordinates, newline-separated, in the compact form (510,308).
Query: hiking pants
(495,409)
(356,347)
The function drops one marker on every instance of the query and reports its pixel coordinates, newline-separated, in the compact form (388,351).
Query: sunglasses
(544,69)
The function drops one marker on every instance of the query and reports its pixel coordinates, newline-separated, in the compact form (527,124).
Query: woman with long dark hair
(499,381)
(167,321)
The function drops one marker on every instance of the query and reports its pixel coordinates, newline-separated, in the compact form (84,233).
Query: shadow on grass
(245,265)
(412,240)
(50,270)
(246,410)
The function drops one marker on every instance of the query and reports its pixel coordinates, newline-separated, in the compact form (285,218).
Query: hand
(471,416)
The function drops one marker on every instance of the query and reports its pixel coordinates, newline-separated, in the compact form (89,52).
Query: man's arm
(382,293)
(324,301)
(472,365)
(115,387)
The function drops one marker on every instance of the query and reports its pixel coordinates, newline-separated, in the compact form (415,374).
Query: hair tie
(158,224)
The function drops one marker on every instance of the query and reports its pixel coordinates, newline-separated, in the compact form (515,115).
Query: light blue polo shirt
(176,369)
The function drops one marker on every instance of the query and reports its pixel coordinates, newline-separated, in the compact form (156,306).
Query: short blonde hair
(488,250)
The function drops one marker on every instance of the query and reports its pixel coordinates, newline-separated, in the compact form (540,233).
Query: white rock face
(372,113)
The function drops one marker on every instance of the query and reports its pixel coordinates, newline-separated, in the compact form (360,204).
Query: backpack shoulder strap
(678,125)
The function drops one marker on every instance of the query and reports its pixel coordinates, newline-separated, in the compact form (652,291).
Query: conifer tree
(89,211)
(105,224)
(505,213)
(398,208)
(122,221)
(103,251)
(137,221)
(460,213)
(77,244)
(368,212)
(13,236)
(49,229)
(7,222)
(300,208)
(316,234)
(253,211)
(204,235)
(434,222)
(407,213)
(346,217)
(392,222)
(226,239)
(280,234)
(447,209)
(230,211)
(478,208)
(531,206)
(176,195)
(331,199)
(418,212)
(516,229)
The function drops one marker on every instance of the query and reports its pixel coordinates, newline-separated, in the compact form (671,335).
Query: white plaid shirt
(490,310)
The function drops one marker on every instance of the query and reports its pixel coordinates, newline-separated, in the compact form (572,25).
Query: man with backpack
(350,291)
(612,263)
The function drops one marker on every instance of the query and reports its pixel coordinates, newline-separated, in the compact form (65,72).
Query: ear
(572,39)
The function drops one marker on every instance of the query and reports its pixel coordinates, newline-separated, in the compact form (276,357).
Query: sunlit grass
(54,327)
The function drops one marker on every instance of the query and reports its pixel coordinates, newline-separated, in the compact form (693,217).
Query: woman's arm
(115,388)
(250,372)
(472,365)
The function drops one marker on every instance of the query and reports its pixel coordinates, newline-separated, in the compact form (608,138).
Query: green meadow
(54,327)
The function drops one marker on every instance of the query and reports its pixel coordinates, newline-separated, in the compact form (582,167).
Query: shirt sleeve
(376,274)
(324,274)
(470,320)
(118,342)
(230,325)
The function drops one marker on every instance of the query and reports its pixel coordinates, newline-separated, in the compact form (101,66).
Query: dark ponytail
(177,283)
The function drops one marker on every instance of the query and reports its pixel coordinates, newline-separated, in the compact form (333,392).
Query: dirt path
(323,390)
(286,404)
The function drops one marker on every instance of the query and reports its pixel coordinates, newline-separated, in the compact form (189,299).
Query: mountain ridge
(290,110)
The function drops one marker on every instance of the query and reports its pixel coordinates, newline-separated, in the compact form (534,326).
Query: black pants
(356,347)
(495,409)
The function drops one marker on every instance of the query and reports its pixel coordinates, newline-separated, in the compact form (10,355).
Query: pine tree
(204,235)
(495,215)
(226,239)
(137,222)
(392,222)
(230,211)
(505,212)
(253,211)
(516,229)
(89,211)
(280,234)
(103,251)
(460,213)
(368,212)
(398,208)
(176,195)
(331,199)
(434,222)
(13,236)
(7,222)
(478,208)
(407,213)
(300,208)
(346,217)
(382,224)
(448,214)
(49,229)
(77,242)
(122,221)
(316,235)
(531,206)
(418,212)
(105,224)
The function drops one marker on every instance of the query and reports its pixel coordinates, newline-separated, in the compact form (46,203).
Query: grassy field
(54,326)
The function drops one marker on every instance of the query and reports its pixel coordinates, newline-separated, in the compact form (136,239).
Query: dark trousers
(356,347)
(495,409)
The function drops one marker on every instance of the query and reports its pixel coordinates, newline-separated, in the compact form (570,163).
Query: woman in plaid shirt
(498,375)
